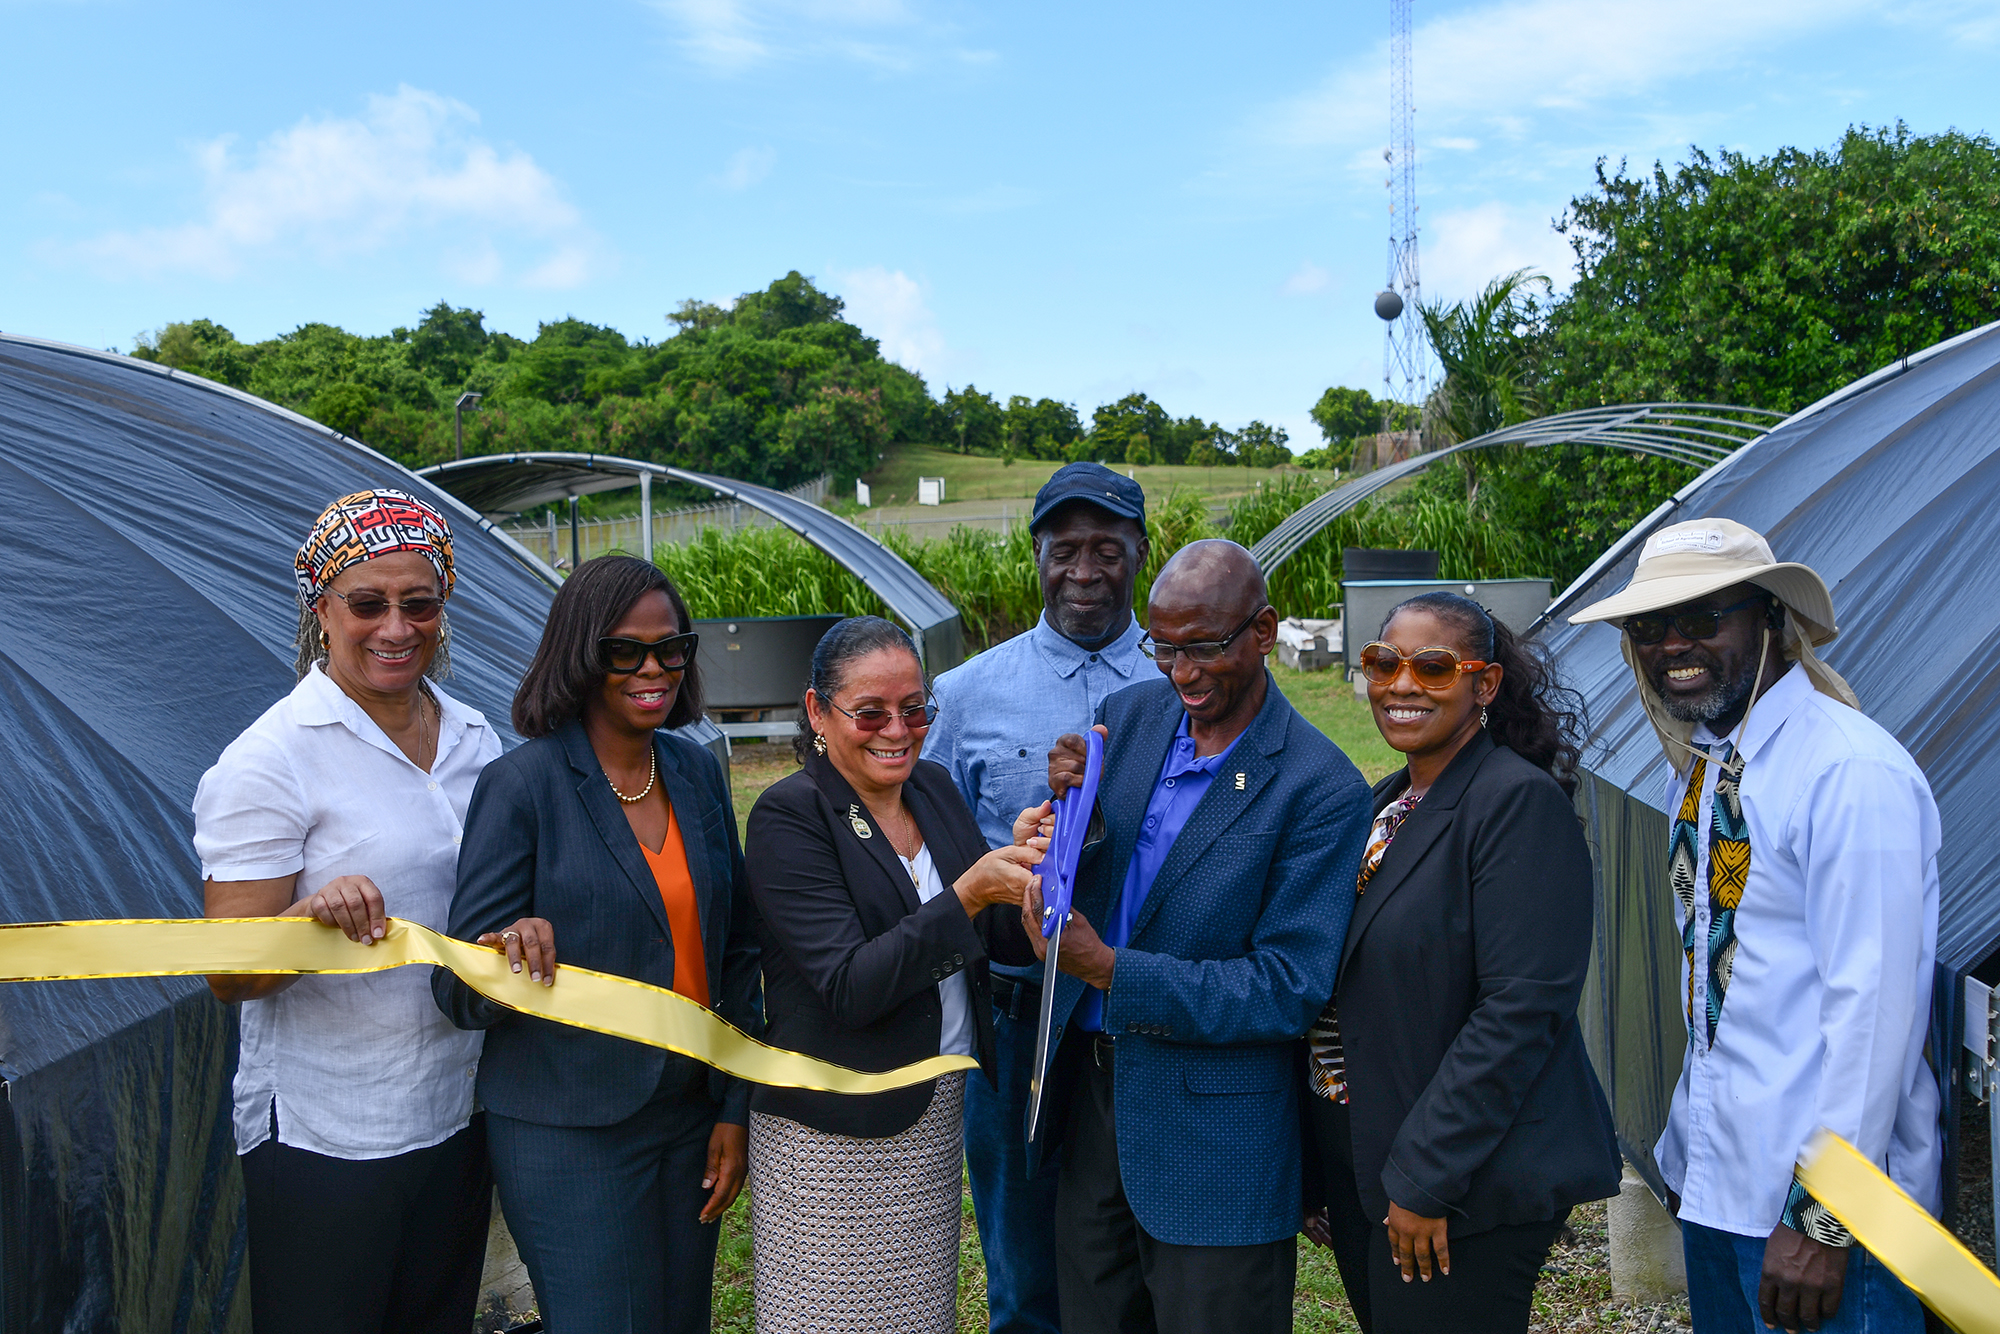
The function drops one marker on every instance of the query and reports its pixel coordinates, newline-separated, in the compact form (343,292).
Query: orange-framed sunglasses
(1433,669)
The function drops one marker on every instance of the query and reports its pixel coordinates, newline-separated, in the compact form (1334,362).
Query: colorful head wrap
(368,524)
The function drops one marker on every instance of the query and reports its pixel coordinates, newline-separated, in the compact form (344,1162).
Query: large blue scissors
(1058,872)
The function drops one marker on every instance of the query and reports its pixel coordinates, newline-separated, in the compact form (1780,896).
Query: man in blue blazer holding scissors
(1211,905)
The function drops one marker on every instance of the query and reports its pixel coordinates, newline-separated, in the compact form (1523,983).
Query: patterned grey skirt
(858,1235)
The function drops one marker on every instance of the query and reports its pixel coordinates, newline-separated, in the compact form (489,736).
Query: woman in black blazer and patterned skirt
(879,907)
(1456,1116)
(611,841)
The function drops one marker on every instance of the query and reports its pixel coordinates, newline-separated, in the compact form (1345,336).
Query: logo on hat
(1688,539)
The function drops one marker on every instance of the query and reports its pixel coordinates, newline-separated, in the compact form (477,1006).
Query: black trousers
(1114,1278)
(1490,1289)
(607,1218)
(367,1246)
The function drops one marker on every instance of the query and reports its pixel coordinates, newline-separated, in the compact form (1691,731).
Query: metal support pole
(458,422)
(646,516)
(552,537)
(575,551)
(1992,1096)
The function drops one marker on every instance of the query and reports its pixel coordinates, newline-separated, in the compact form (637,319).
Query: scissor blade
(1038,1080)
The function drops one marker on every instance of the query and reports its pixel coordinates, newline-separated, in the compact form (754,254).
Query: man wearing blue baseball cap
(998,716)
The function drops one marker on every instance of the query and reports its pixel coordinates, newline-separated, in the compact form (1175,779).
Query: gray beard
(1722,699)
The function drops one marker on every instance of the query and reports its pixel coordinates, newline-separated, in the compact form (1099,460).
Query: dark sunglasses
(916,717)
(1432,668)
(1163,653)
(1651,627)
(622,657)
(373,607)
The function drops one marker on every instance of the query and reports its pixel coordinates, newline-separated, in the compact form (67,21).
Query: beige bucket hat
(1686,561)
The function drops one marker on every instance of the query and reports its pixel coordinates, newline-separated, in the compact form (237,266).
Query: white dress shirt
(954,993)
(360,1066)
(1827,1006)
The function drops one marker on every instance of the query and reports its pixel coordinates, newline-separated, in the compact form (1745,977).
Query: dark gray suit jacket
(545,837)
(1471,1095)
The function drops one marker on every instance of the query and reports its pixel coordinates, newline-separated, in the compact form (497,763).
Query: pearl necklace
(651,779)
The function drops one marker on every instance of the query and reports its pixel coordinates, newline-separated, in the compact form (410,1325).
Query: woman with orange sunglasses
(1455,1114)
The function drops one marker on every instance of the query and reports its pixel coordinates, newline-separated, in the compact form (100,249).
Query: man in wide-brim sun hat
(1803,857)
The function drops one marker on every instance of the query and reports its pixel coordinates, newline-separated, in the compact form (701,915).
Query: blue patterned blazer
(1231,959)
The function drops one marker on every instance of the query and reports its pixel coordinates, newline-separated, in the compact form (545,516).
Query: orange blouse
(670,873)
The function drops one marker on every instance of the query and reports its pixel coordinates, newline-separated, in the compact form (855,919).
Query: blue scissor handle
(1072,811)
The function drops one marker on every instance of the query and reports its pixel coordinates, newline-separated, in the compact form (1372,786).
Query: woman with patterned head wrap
(364,1165)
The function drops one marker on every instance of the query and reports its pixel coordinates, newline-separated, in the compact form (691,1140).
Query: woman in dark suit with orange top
(614,842)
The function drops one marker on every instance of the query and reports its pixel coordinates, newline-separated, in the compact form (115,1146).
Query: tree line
(775,388)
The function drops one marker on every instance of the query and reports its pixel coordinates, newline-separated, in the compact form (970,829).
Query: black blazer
(852,958)
(546,837)
(1471,1095)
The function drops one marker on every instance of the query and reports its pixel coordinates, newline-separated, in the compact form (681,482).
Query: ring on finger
(510,935)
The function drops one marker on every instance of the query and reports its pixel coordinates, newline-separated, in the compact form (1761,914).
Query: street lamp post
(458,422)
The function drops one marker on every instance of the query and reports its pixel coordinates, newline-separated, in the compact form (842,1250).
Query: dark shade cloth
(1472,1097)
(367,1246)
(1013,1200)
(1232,956)
(546,837)
(1115,1277)
(607,1218)
(191,500)
(852,958)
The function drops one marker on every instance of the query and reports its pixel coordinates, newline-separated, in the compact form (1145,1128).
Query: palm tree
(1487,347)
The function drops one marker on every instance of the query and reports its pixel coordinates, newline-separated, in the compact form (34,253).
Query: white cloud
(1508,63)
(747,166)
(1308,279)
(730,36)
(889,305)
(336,187)
(1468,248)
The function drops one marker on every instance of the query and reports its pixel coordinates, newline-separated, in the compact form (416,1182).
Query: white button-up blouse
(359,1066)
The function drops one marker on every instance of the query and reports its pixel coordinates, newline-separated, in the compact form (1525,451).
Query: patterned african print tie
(1728,873)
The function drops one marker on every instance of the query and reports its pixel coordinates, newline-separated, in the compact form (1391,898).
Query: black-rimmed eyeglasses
(1651,627)
(1208,651)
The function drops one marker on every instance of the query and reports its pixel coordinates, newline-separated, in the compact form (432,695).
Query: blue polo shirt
(1182,783)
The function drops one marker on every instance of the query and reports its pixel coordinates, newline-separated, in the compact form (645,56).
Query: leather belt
(1019,999)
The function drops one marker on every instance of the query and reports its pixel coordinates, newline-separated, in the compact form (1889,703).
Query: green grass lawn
(977,477)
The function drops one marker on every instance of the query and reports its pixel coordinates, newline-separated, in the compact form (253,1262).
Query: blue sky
(1076,200)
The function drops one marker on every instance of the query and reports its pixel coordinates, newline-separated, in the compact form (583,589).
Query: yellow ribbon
(1902,1235)
(581,998)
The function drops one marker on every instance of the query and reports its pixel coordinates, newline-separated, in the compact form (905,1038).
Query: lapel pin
(1239,782)
(861,829)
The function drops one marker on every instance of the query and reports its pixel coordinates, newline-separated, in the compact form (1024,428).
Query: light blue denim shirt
(1000,713)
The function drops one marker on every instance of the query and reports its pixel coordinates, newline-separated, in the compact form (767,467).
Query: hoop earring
(1482,715)
(819,744)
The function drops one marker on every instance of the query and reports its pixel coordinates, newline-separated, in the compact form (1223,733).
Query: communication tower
(1405,359)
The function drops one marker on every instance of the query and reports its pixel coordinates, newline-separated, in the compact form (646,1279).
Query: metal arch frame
(1690,433)
(938,628)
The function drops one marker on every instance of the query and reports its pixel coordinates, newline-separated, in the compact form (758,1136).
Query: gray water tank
(758,662)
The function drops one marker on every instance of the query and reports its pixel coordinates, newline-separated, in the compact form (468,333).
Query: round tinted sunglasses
(916,717)
(622,657)
(1433,668)
(373,606)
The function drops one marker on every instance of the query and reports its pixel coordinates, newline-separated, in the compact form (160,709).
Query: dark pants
(607,1217)
(1490,1289)
(1116,1279)
(367,1246)
(1015,1211)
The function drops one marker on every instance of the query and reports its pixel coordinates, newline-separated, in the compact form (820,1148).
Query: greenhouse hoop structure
(502,485)
(1699,434)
